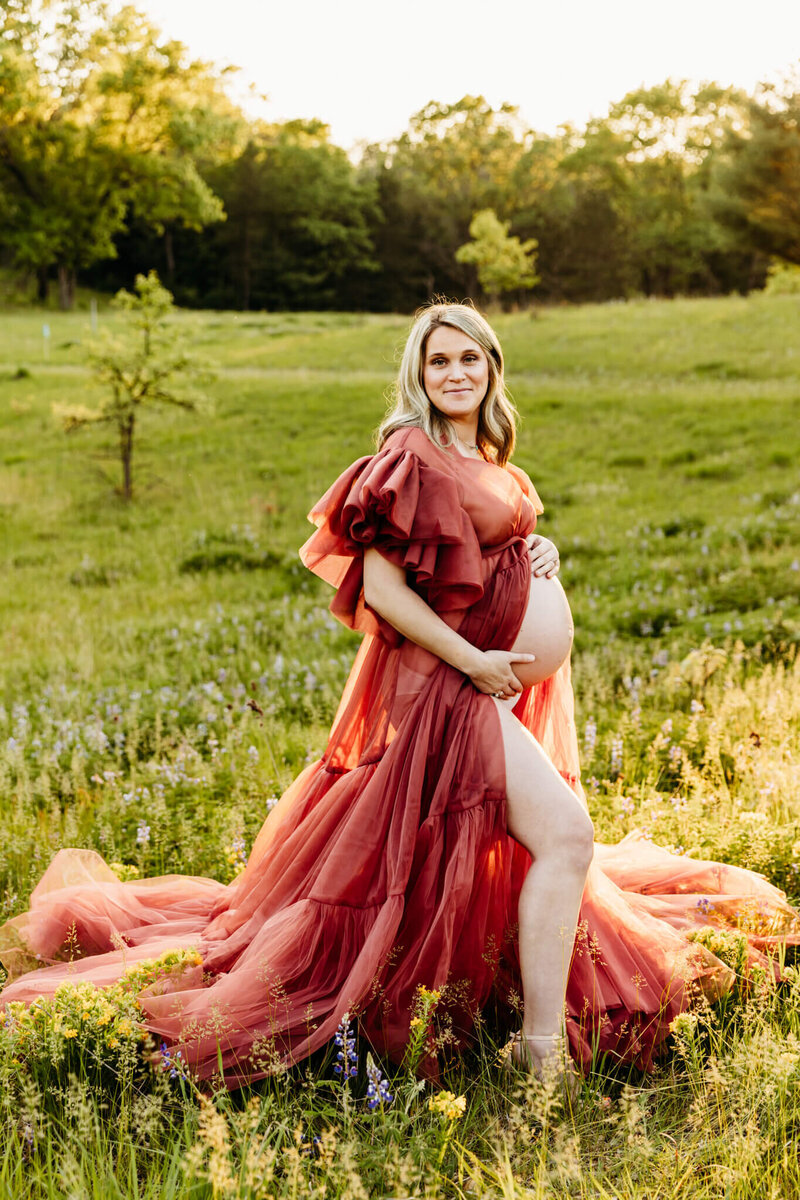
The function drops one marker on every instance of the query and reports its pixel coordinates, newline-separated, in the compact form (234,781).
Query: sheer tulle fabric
(387,864)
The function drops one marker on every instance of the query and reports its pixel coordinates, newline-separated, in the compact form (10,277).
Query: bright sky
(364,66)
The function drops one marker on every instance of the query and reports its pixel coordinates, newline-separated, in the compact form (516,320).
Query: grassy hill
(663,437)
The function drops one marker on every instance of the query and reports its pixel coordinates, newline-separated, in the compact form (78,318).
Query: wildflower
(448,1105)
(347,1059)
(70,1033)
(310,1148)
(705,906)
(142,833)
(236,856)
(378,1087)
(696,707)
(168,1063)
(589,737)
(416,1023)
(684,1024)
(616,754)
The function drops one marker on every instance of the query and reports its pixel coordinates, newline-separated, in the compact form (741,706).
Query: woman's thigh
(543,811)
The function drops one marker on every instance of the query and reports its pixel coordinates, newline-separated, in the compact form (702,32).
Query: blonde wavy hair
(411,406)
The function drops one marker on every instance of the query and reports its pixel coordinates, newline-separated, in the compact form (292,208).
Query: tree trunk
(42,284)
(66,287)
(126,454)
(169,255)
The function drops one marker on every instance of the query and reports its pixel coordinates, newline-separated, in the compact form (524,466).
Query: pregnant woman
(443,838)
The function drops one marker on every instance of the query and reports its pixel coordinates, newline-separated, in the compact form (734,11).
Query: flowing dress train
(387,863)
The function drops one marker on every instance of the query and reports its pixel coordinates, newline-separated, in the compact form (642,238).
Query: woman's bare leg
(547,818)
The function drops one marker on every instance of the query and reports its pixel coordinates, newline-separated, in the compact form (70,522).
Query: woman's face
(455,374)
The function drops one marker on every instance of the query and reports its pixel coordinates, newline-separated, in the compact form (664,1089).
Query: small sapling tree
(504,263)
(143,365)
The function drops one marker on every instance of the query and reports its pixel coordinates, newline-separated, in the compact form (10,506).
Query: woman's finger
(543,565)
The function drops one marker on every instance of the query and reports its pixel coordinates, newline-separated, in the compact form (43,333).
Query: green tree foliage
(99,117)
(757,177)
(298,219)
(453,161)
(503,262)
(783,278)
(144,366)
(118,154)
(298,233)
(623,207)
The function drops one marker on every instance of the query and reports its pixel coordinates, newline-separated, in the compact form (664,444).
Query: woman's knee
(572,840)
(558,827)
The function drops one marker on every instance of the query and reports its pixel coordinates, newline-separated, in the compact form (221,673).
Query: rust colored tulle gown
(387,863)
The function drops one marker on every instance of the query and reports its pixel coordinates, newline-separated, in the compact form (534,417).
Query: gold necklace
(468,445)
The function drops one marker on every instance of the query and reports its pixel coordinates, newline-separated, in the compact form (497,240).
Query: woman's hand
(493,673)
(543,555)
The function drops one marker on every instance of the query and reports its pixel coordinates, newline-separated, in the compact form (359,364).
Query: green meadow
(167,667)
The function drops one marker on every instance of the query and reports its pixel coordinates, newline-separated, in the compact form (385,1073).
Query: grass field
(664,439)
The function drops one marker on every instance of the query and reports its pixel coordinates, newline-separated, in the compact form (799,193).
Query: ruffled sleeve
(411,511)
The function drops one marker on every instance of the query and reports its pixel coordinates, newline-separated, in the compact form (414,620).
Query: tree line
(120,154)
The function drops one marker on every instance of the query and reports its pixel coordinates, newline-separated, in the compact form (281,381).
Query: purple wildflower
(347,1059)
(168,1063)
(378,1087)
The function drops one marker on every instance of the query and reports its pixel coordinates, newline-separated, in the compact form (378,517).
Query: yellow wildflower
(112,1043)
(448,1105)
(124,1027)
(416,1022)
(70,1033)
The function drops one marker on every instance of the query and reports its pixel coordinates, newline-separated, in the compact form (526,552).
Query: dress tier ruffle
(387,864)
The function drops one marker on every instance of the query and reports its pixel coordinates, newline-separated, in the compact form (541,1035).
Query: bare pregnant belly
(546,631)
